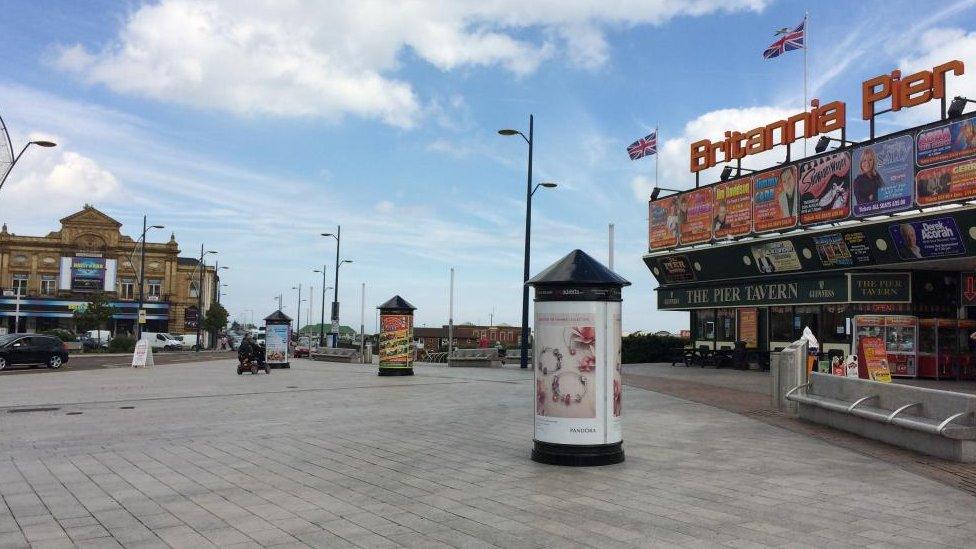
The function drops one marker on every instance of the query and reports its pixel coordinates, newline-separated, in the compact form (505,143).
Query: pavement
(331,455)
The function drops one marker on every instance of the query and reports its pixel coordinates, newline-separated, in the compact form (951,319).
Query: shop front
(37,314)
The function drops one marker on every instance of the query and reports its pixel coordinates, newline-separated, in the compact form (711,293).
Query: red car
(300,350)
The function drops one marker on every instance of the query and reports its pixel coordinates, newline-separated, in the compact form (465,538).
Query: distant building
(467,336)
(58,273)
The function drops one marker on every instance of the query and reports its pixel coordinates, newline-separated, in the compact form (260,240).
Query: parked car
(32,349)
(90,344)
(301,348)
(162,340)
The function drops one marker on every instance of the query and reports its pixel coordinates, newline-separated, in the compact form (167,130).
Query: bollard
(576,360)
(277,337)
(396,337)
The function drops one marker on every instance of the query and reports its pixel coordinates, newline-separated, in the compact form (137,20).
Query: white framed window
(127,288)
(154,288)
(20,284)
(49,285)
(194,289)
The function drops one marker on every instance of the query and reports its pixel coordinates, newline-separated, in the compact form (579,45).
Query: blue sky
(254,128)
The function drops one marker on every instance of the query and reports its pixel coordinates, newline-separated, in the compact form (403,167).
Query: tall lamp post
(322,321)
(142,273)
(335,298)
(298,319)
(529,191)
(202,267)
(14,159)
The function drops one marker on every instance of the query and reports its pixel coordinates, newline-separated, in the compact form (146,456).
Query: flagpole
(657,151)
(806,46)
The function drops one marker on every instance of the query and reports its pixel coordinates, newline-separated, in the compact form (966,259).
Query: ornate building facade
(45,279)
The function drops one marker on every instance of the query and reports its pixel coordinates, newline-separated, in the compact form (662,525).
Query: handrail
(794,389)
(892,415)
(859,401)
(945,423)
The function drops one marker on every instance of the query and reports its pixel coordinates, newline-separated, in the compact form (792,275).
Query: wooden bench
(485,358)
(930,421)
(337,354)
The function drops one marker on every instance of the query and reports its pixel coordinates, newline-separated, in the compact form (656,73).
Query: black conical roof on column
(277,316)
(578,268)
(397,302)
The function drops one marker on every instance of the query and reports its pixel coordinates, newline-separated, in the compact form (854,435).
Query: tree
(93,315)
(235,326)
(216,318)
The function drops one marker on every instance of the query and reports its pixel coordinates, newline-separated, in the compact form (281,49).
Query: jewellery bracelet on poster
(557,395)
(556,354)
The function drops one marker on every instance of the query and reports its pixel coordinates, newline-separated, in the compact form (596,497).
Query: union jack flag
(644,146)
(789,41)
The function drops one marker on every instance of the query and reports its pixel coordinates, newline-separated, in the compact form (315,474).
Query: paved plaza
(330,455)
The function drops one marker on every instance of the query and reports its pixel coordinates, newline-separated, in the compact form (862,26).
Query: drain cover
(26,410)
(291,386)
(74,413)
(127,407)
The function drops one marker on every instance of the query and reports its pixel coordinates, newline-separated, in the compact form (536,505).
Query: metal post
(610,254)
(199,301)
(142,280)
(524,359)
(362,322)
(450,317)
(311,292)
(298,319)
(322,322)
(335,299)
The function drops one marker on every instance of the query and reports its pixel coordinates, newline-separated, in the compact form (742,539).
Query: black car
(33,349)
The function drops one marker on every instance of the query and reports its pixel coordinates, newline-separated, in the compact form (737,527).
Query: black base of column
(578,456)
(396,372)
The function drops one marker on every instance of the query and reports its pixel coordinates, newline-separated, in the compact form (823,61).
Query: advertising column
(396,337)
(576,352)
(277,335)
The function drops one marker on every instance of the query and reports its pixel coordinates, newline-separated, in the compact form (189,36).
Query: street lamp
(6,134)
(142,267)
(298,319)
(200,295)
(322,321)
(529,191)
(335,297)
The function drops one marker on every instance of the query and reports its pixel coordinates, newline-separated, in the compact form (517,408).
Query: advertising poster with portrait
(396,340)
(949,183)
(927,238)
(733,208)
(663,223)
(947,142)
(695,215)
(884,177)
(276,343)
(774,200)
(875,359)
(776,257)
(843,250)
(748,325)
(87,274)
(825,188)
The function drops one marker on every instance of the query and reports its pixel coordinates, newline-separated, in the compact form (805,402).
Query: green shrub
(638,348)
(122,344)
(62,334)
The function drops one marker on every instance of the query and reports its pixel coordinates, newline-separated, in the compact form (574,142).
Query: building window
(20,284)
(49,285)
(127,288)
(725,324)
(704,324)
(833,324)
(194,289)
(781,323)
(154,289)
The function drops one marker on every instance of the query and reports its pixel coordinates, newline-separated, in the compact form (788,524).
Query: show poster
(923,239)
(949,183)
(884,176)
(396,340)
(748,323)
(776,257)
(947,142)
(87,274)
(663,223)
(843,250)
(875,359)
(276,342)
(825,188)
(774,200)
(733,208)
(695,215)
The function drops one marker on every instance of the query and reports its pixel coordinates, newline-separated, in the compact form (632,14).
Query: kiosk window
(781,323)
(833,325)
(704,324)
(805,316)
(725,324)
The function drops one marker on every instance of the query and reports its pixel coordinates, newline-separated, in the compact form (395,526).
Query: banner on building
(774,200)
(733,208)
(825,188)
(695,215)
(884,176)
(87,274)
(938,237)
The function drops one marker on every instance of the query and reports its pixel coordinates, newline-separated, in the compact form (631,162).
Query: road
(99,361)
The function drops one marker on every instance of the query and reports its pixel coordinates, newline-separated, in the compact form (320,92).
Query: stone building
(46,278)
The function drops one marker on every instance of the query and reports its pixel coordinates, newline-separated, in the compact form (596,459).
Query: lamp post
(142,272)
(335,298)
(200,315)
(13,162)
(322,321)
(298,319)
(529,191)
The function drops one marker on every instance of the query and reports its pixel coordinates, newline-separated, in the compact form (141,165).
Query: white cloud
(935,47)
(331,58)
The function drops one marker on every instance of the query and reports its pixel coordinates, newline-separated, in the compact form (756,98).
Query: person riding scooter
(250,351)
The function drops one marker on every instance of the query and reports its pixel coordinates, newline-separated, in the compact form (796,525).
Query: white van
(100,335)
(162,340)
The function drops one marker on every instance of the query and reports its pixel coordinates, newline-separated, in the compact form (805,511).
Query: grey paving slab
(329,455)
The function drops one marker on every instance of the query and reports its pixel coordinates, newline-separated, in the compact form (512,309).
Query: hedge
(122,344)
(638,348)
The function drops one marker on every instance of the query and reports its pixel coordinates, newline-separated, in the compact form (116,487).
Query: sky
(252,127)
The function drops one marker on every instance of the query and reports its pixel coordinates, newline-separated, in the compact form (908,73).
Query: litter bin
(396,337)
(277,336)
(576,358)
